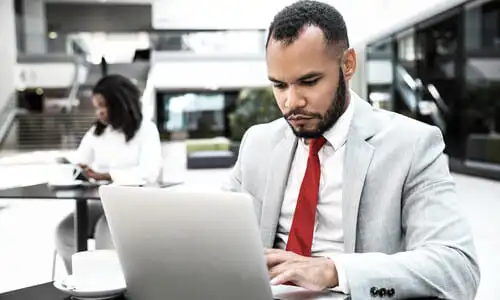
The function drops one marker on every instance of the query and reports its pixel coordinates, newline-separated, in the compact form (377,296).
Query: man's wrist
(331,274)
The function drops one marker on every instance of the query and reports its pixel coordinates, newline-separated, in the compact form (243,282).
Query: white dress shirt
(136,161)
(328,238)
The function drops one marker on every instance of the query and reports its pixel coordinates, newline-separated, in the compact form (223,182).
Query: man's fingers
(273,251)
(282,268)
(276,256)
(287,276)
(276,259)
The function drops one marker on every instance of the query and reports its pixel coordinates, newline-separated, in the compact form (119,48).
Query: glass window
(380,50)
(407,53)
(482,73)
(483,94)
(194,114)
(114,47)
(437,50)
(483,26)
(211,42)
(192,111)
(406,48)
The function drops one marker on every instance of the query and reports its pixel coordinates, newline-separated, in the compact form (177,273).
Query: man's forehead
(307,54)
(310,43)
(309,37)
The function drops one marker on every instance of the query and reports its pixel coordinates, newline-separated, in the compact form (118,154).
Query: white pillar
(8,51)
(35,26)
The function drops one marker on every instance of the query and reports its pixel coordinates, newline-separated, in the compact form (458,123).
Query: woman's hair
(122,99)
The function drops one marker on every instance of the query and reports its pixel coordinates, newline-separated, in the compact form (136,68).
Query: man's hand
(312,273)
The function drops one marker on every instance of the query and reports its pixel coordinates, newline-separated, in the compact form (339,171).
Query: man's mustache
(301,114)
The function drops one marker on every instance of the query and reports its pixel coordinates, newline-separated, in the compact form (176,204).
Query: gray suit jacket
(402,225)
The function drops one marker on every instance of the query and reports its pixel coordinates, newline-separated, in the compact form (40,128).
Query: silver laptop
(187,245)
(191,245)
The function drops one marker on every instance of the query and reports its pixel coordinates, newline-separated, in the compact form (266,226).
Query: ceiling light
(52,35)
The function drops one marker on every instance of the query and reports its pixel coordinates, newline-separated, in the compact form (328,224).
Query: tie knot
(315,145)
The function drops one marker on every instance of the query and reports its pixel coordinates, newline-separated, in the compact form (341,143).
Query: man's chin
(307,134)
(308,131)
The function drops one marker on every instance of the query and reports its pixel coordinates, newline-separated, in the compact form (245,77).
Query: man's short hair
(287,25)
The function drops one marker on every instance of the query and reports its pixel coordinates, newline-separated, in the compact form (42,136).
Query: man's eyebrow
(309,76)
(301,78)
(273,79)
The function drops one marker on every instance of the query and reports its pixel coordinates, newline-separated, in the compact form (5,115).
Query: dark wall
(66,18)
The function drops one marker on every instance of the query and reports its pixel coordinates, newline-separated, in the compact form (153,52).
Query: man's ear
(349,63)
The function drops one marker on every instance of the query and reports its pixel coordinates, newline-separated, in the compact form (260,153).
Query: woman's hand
(93,174)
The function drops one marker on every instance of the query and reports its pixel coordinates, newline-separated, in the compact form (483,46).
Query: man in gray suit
(348,196)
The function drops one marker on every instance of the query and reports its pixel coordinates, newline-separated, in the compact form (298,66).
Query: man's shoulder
(268,131)
(400,127)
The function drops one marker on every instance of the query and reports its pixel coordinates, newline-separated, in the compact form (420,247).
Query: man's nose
(294,99)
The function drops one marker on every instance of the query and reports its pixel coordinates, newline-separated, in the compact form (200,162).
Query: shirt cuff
(343,285)
(125,177)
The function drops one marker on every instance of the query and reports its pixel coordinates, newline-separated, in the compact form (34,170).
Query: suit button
(391,292)
(382,292)
(374,291)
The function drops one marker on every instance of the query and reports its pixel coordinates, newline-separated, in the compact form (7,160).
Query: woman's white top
(138,160)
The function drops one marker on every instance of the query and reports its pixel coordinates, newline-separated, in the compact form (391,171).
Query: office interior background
(201,68)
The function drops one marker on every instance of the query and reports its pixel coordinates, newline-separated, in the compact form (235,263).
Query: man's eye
(310,82)
(279,85)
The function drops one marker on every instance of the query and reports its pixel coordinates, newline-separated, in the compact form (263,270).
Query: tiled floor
(26,227)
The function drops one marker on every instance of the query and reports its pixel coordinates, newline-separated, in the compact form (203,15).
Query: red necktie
(304,217)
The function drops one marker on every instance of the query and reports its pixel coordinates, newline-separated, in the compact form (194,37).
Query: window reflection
(380,74)
(194,114)
(483,26)
(482,77)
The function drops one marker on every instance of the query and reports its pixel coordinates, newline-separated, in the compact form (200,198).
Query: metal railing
(438,99)
(75,86)
(407,87)
(412,91)
(27,130)
(7,116)
(50,131)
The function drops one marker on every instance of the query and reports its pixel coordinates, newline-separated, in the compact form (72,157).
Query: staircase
(423,101)
(67,114)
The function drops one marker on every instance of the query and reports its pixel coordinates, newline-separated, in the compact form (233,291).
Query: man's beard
(336,109)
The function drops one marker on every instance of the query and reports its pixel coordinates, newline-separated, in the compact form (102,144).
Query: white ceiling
(365,18)
(103,1)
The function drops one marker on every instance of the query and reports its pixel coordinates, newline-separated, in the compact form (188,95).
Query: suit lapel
(357,160)
(281,160)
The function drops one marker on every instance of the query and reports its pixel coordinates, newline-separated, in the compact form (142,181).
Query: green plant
(212,144)
(253,106)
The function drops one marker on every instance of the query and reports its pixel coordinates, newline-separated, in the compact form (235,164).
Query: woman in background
(120,147)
